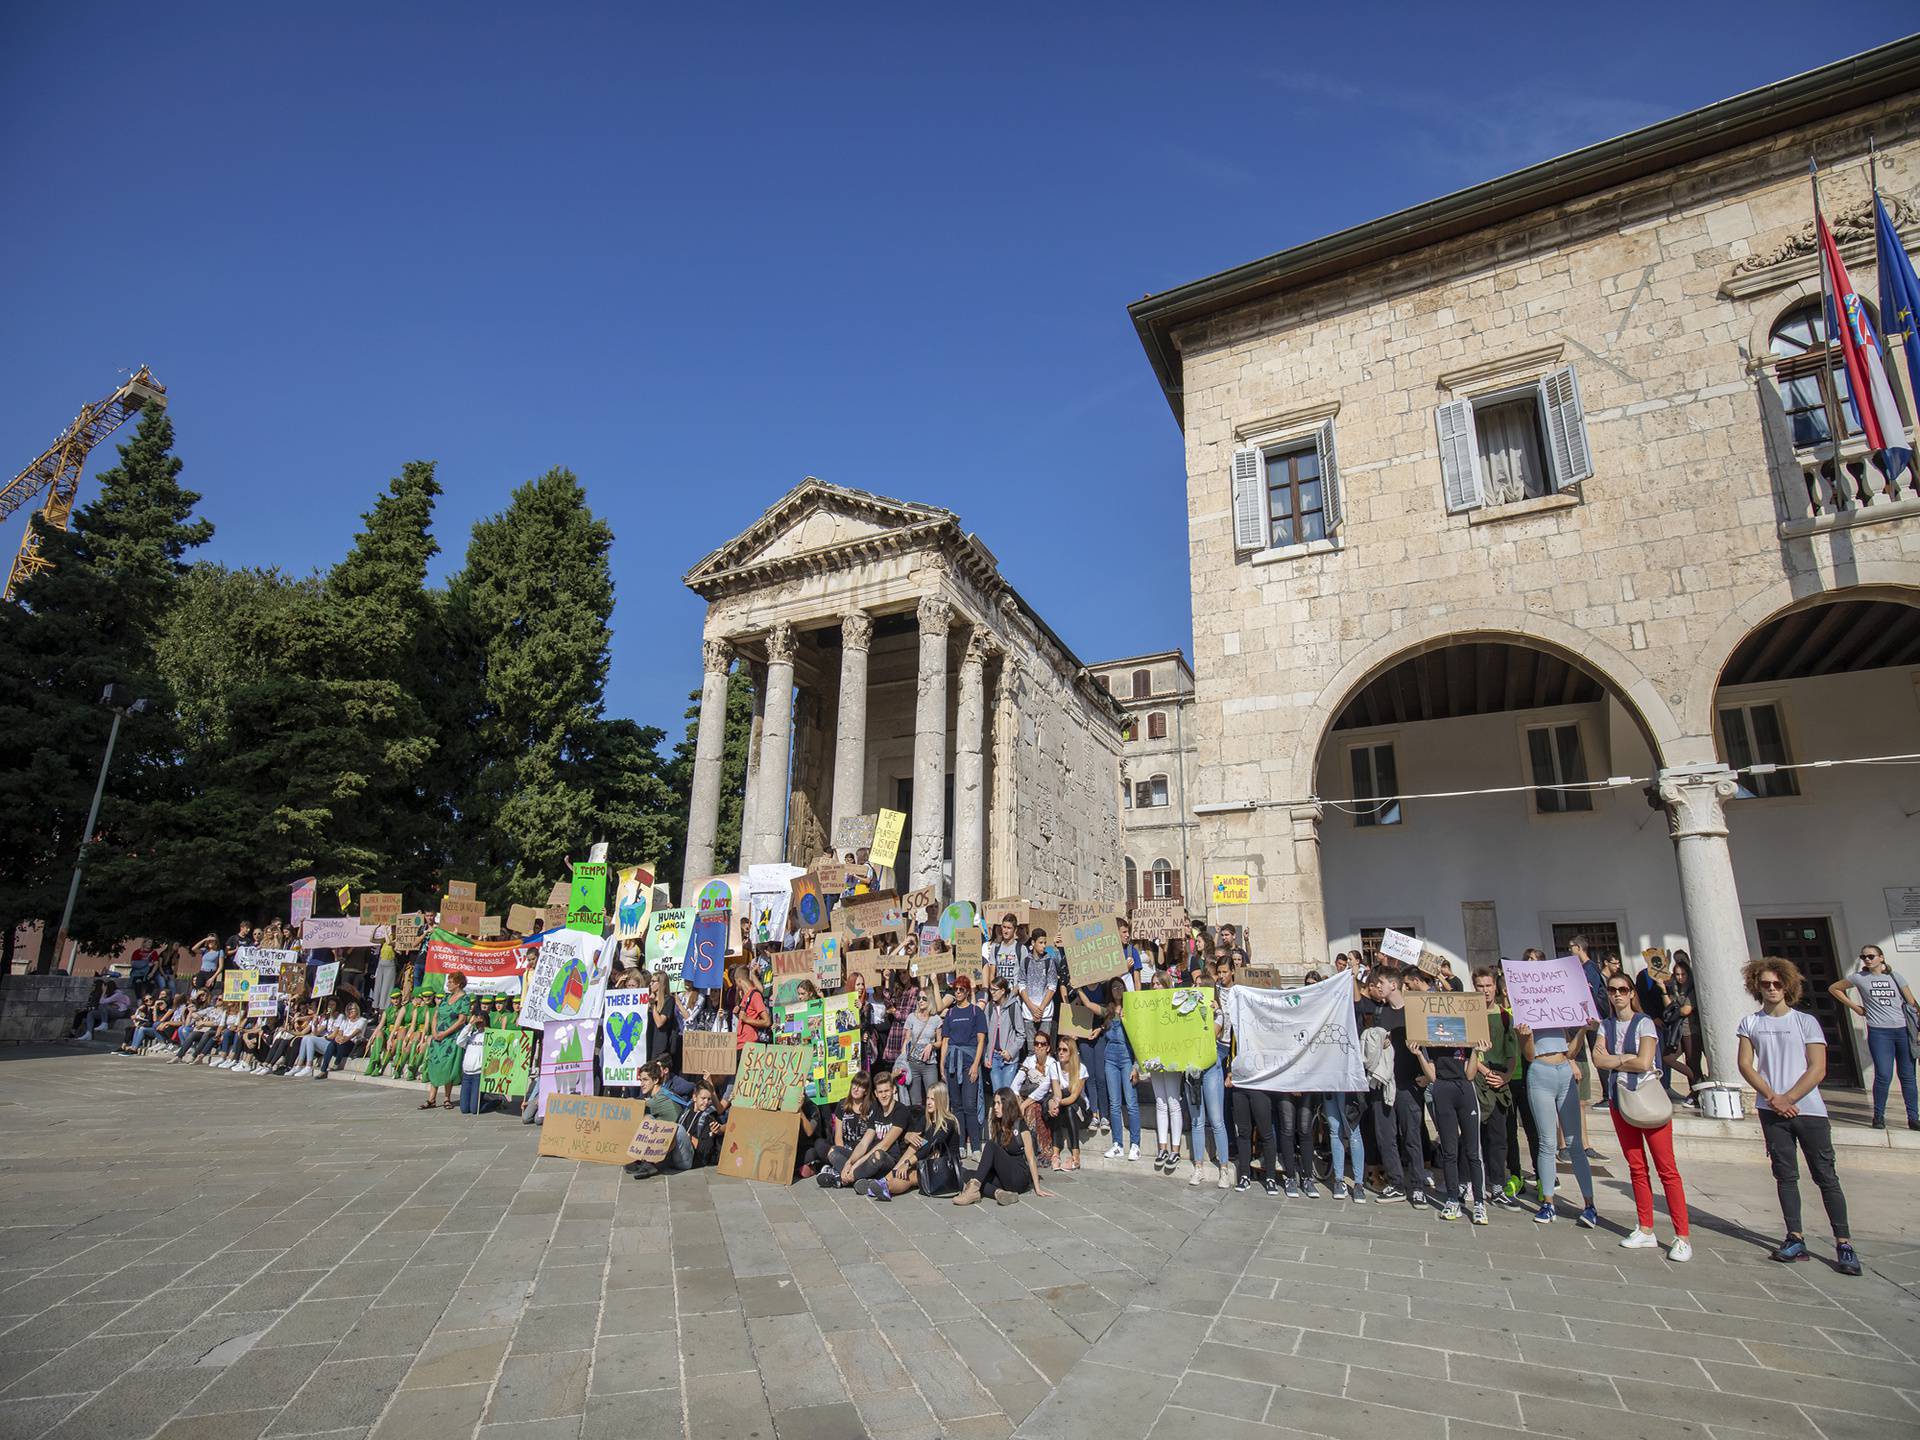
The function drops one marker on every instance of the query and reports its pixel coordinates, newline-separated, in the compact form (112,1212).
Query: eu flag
(1899,288)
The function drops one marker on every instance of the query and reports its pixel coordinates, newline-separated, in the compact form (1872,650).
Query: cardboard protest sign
(525,920)
(587,898)
(492,967)
(1397,945)
(854,833)
(1159,920)
(1170,1029)
(792,962)
(236,985)
(873,918)
(828,963)
(771,1077)
(888,827)
(263,1002)
(325,979)
(596,1128)
(409,931)
(1432,964)
(379,907)
(340,933)
(300,904)
(557,897)
(958,923)
(623,1036)
(832,877)
(567,979)
(759,1145)
(1260,977)
(292,979)
(489,927)
(1446,1018)
(705,965)
(463,917)
(918,902)
(805,906)
(1659,963)
(829,1030)
(708,1052)
(463,890)
(506,1065)
(1080,1022)
(667,939)
(633,903)
(1549,994)
(652,1140)
(1296,1040)
(1094,952)
(1232,890)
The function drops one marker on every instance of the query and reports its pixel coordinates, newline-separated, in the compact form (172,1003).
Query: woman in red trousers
(1628,1056)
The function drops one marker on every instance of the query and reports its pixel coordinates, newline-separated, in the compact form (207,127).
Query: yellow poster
(886,838)
(239,984)
(1232,890)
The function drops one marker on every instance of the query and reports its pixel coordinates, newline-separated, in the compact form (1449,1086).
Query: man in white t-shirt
(1783,1056)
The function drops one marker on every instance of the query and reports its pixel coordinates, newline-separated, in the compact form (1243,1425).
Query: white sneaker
(1226,1180)
(1681,1251)
(1133,1152)
(223,1064)
(303,1072)
(1116,1150)
(1640,1240)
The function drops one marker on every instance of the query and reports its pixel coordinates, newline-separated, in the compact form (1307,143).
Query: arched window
(1133,884)
(1129,729)
(1812,377)
(1156,726)
(1162,882)
(1142,684)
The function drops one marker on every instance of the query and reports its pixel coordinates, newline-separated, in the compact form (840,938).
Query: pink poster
(1549,994)
(302,907)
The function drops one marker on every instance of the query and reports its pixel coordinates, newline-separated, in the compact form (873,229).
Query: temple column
(709,753)
(1696,799)
(850,731)
(930,745)
(776,743)
(757,675)
(969,773)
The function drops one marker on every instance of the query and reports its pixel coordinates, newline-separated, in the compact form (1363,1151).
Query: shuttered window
(1515,445)
(1753,735)
(1374,777)
(1287,494)
(1163,884)
(1156,726)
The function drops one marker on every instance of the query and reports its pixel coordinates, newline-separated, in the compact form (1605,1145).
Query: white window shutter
(1249,504)
(1566,426)
(1329,475)
(1459,455)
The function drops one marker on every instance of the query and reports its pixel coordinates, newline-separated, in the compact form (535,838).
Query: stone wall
(1065,771)
(39,1009)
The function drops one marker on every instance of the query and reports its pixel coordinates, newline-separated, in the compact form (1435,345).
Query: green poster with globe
(507,1063)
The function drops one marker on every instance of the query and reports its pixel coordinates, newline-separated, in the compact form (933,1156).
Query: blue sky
(698,259)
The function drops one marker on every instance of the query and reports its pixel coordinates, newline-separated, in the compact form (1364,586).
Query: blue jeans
(1344,1133)
(1120,1084)
(142,1034)
(1208,1111)
(1555,1102)
(1093,1064)
(1892,1050)
(470,1094)
(1002,1077)
(964,1096)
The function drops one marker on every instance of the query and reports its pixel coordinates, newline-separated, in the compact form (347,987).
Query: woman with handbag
(1627,1056)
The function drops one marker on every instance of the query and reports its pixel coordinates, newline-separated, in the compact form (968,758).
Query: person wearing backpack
(1628,1056)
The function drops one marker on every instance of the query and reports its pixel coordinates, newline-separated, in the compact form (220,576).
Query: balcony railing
(1861,486)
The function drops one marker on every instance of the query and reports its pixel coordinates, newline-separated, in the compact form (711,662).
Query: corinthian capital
(782,642)
(936,616)
(981,647)
(718,655)
(1696,800)
(856,631)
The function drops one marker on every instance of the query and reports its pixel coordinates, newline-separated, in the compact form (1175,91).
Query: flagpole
(1830,320)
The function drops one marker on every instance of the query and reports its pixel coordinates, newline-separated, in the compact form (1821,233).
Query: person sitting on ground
(1039,1084)
(1063,1106)
(146,1022)
(931,1161)
(660,1103)
(1007,1164)
(347,1030)
(286,1039)
(879,1149)
(705,1124)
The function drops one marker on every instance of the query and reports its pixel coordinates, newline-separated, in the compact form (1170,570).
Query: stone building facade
(1156,772)
(895,668)
(1531,488)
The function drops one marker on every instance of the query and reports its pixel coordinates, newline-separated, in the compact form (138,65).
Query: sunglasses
(1619,989)
(1869,955)
(1773,984)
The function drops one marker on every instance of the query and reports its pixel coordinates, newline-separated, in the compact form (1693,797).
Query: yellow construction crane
(57,470)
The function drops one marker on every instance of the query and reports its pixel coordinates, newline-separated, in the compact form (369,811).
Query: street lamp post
(114,696)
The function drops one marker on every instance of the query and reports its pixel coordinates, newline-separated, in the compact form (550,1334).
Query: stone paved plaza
(212,1257)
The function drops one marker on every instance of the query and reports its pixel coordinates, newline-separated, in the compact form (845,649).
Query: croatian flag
(1860,349)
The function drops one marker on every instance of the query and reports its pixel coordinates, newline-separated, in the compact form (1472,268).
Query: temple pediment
(815,519)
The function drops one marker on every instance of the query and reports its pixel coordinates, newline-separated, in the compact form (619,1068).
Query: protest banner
(769,894)
(492,967)
(1432,964)
(463,890)
(1260,977)
(337,933)
(325,979)
(917,902)
(300,903)
(874,917)
(759,1145)
(1094,952)
(1170,1029)
(587,898)
(667,938)
(1549,994)
(595,1128)
(236,985)
(705,964)
(1446,1018)
(854,833)
(461,916)
(652,1140)
(1080,1022)
(1159,920)
(506,1062)
(1296,1040)
(1400,947)
(708,1052)
(267,962)
(263,1002)
(770,1077)
(829,1030)
(292,979)
(828,963)
(623,1036)
(379,907)
(958,923)
(524,920)
(633,902)
(566,980)
(409,931)
(566,1060)
(805,906)
(1232,890)
(888,827)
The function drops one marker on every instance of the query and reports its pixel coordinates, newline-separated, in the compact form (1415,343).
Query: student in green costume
(443,1051)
